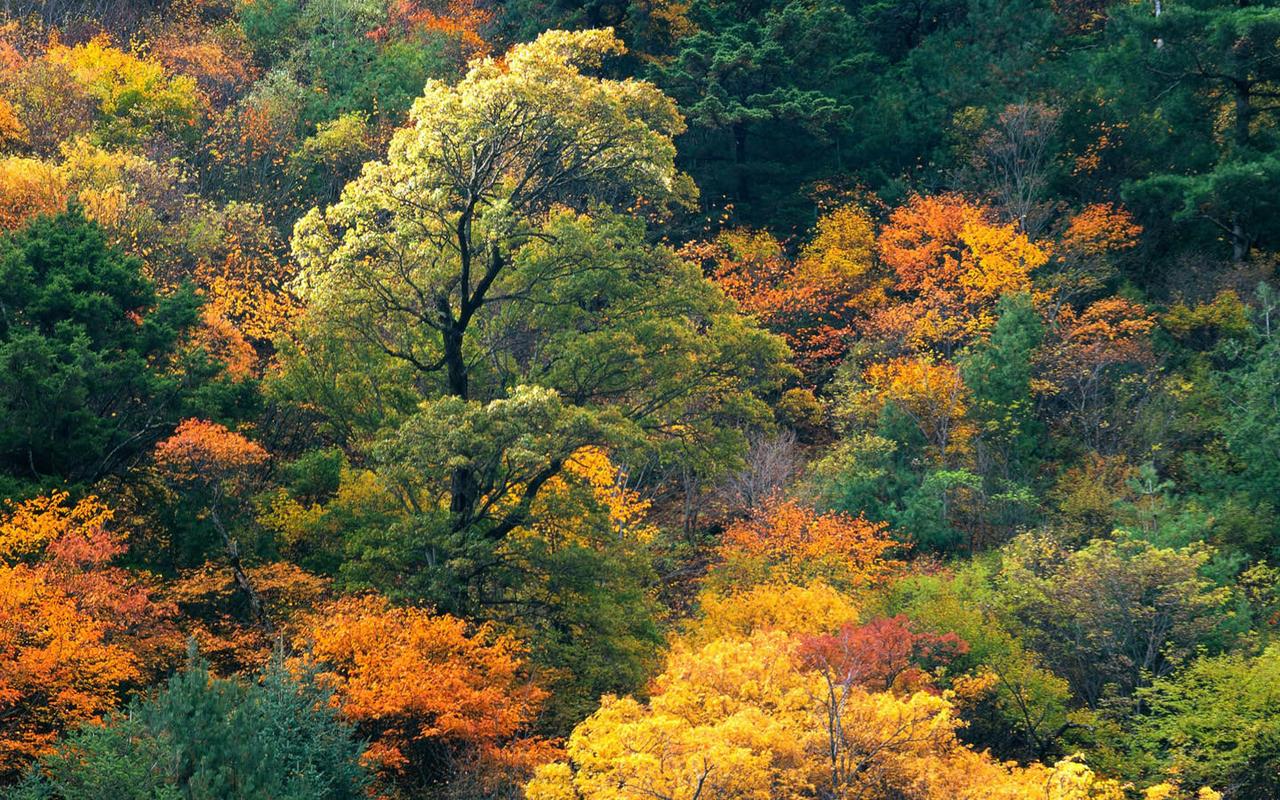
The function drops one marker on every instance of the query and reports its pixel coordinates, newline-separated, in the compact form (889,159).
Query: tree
(814,608)
(745,719)
(1013,704)
(1210,724)
(882,654)
(1008,436)
(91,370)
(951,264)
(930,394)
(75,631)
(456,275)
(1222,55)
(816,301)
(1113,615)
(202,738)
(136,98)
(428,689)
(789,542)
(1250,424)
(215,465)
(1013,158)
(768,90)
(1086,362)
(29,187)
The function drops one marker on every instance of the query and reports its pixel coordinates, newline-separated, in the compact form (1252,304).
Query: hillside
(639,399)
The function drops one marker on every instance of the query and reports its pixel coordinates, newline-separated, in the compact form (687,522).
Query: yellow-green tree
(491,285)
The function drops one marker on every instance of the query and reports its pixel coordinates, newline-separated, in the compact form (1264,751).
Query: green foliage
(522,330)
(1028,713)
(774,92)
(1217,56)
(1215,724)
(1113,615)
(998,371)
(590,622)
(91,365)
(207,738)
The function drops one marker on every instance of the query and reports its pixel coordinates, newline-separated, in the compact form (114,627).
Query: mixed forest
(639,399)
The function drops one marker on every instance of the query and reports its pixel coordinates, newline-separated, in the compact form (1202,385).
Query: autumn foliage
(791,542)
(75,631)
(200,450)
(816,300)
(639,400)
(951,262)
(882,654)
(424,685)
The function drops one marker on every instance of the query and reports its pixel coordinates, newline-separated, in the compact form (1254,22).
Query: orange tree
(815,301)
(435,695)
(790,542)
(74,630)
(951,262)
(214,468)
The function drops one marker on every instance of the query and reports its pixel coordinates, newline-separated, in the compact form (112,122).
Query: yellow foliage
(932,394)
(29,187)
(727,720)
(31,525)
(744,718)
(842,254)
(361,495)
(12,131)
(126,85)
(815,608)
(587,498)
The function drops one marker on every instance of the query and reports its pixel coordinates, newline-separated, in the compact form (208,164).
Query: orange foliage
(224,343)
(411,679)
(12,130)
(200,450)
(244,279)
(952,263)
(1079,370)
(220,71)
(796,543)
(74,630)
(217,617)
(1101,228)
(1108,332)
(814,302)
(460,20)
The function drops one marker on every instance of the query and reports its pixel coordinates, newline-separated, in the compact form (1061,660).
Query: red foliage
(882,654)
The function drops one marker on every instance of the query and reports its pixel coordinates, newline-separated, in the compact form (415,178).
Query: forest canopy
(639,399)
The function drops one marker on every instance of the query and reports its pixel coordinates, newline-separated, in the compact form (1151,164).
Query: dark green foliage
(590,622)
(91,367)
(768,99)
(998,371)
(1219,57)
(207,738)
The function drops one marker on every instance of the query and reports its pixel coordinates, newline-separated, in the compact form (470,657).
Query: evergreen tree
(207,738)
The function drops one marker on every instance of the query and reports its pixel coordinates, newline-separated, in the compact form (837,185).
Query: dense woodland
(639,399)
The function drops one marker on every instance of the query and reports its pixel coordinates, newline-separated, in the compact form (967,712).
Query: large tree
(486,301)
(93,367)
